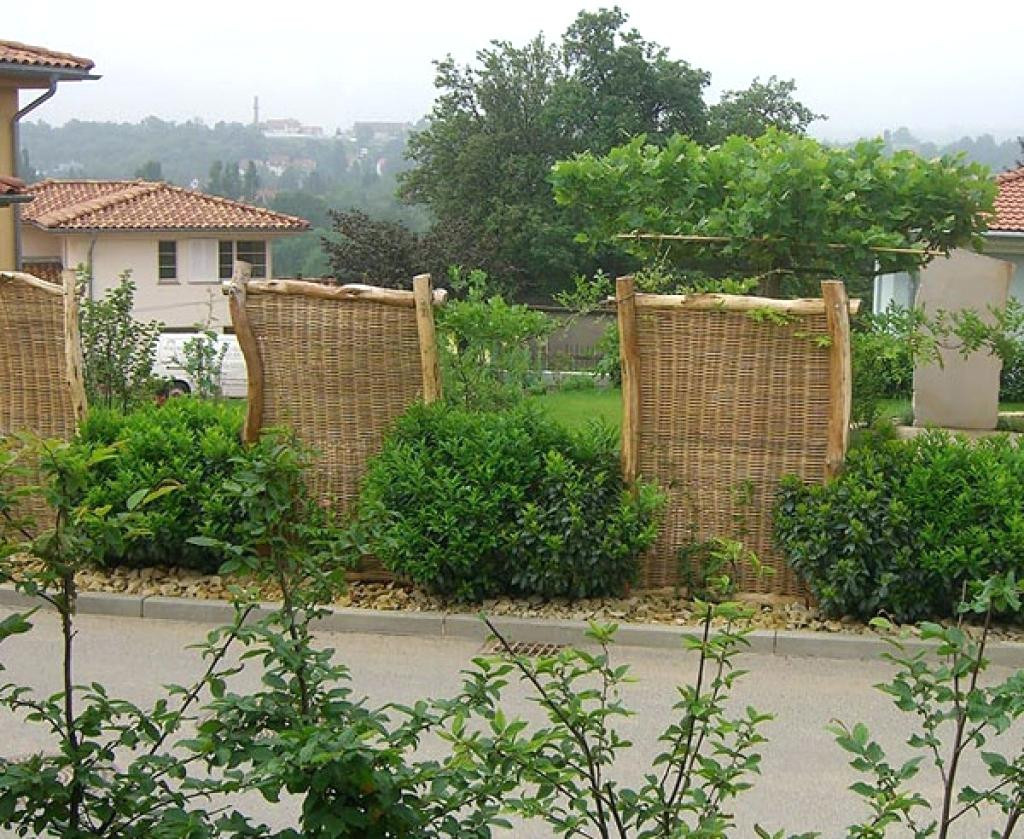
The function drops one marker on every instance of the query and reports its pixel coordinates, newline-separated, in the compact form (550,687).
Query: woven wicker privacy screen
(337,364)
(41,388)
(722,397)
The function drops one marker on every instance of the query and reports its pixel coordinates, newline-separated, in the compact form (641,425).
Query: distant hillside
(306,176)
(998,156)
(185,150)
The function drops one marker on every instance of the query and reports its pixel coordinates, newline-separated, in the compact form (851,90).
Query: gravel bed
(661,606)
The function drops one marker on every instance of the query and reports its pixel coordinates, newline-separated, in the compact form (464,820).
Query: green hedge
(191,442)
(907,524)
(478,504)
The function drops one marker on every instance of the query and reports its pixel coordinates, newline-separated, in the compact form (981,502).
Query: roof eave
(63,74)
(268,231)
(15,198)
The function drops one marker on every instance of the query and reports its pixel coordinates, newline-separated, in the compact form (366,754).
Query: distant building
(1004,239)
(377,133)
(179,244)
(278,164)
(289,127)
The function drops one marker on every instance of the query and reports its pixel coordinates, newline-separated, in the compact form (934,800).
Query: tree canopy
(784,206)
(763,105)
(497,126)
(366,250)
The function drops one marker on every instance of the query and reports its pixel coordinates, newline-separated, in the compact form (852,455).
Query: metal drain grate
(523,648)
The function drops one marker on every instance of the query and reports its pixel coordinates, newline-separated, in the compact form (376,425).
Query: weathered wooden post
(629,354)
(837,321)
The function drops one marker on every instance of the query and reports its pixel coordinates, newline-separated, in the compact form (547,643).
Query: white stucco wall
(899,288)
(38,245)
(180,303)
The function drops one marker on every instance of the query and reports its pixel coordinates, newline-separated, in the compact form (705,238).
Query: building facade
(179,245)
(1003,240)
(39,70)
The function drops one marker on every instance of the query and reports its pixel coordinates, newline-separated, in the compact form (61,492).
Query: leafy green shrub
(477,504)
(608,364)
(190,442)
(882,349)
(957,714)
(485,345)
(116,769)
(118,351)
(907,524)
(202,358)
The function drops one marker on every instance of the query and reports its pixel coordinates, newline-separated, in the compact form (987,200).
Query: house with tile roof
(25,68)
(179,244)
(1004,239)
(1005,236)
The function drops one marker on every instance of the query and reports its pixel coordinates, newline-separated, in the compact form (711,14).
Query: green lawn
(573,408)
(900,408)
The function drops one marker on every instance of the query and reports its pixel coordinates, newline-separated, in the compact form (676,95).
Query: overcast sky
(942,69)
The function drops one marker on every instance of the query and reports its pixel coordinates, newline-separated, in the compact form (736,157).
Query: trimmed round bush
(907,524)
(190,442)
(477,504)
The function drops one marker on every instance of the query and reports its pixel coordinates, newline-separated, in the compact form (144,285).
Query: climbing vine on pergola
(779,207)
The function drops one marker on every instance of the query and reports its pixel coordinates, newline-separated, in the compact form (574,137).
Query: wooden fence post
(629,355)
(250,347)
(423,293)
(837,319)
(73,360)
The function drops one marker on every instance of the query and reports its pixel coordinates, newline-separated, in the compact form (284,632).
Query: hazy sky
(943,69)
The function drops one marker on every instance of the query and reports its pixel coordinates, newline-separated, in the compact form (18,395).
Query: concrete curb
(469,627)
(17,600)
(108,603)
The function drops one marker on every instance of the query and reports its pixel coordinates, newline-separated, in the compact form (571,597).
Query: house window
(225,260)
(167,261)
(254,252)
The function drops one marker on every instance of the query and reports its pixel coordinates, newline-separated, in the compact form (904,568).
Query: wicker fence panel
(339,373)
(40,392)
(722,397)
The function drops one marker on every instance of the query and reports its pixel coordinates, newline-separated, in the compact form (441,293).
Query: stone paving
(805,776)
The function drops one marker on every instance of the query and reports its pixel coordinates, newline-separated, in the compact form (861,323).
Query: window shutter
(202,260)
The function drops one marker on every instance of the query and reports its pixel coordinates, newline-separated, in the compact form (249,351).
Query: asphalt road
(804,774)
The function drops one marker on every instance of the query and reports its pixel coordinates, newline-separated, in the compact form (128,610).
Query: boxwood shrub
(907,524)
(478,504)
(192,442)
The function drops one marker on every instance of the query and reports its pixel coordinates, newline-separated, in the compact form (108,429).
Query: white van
(168,364)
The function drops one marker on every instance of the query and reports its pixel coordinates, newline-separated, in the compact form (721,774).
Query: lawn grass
(900,408)
(574,408)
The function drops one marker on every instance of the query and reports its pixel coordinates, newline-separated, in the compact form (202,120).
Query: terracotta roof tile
(1009,215)
(12,52)
(145,205)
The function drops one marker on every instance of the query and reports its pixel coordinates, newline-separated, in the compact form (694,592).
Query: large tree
(497,127)
(785,209)
(361,249)
(763,105)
